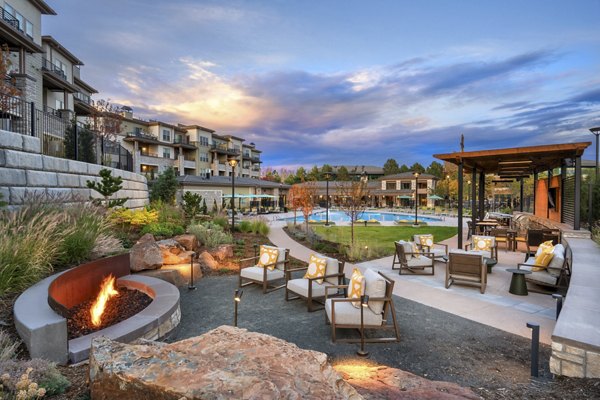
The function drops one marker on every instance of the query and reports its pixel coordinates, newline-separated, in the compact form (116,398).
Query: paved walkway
(496,308)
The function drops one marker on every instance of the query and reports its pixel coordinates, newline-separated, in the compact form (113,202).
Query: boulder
(145,254)
(188,242)
(375,382)
(208,261)
(223,252)
(173,253)
(225,363)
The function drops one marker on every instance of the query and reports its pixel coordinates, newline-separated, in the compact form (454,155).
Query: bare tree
(306,193)
(353,200)
(293,201)
(105,120)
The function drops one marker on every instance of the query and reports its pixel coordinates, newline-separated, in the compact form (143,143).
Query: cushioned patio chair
(533,239)
(426,244)
(380,313)
(466,267)
(413,261)
(556,275)
(310,289)
(267,274)
(487,245)
(501,235)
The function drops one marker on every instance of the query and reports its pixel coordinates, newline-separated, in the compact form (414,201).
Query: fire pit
(56,317)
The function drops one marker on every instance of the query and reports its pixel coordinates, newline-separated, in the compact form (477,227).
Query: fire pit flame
(107,290)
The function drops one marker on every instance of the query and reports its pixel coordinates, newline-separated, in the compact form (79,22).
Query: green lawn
(382,237)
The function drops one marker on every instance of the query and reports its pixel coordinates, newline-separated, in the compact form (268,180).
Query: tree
(191,203)
(436,169)
(105,120)
(391,167)
(342,174)
(353,202)
(314,174)
(204,208)
(300,174)
(326,168)
(108,186)
(292,200)
(404,168)
(165,187)
(82,139)
(7,86)
(291,179)
(271,175)
(416,167)
(215,207)
(305,196)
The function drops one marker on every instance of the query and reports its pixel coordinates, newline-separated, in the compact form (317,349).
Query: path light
(559,303)
(233,162)
(191,286)
(237,298)
(535,347)
(327,176)
(364,303)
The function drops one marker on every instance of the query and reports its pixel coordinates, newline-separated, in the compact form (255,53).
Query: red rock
(188,242)
(208,261)
(145,254)
(223,252)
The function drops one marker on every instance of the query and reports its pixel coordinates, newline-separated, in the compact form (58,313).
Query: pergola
(515,163)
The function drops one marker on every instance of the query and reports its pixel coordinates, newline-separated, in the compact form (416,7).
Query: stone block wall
(24,172)
(574,361)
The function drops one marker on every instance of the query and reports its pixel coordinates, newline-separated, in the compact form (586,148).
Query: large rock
(208,261)
(225,363)
(188,242)
(223,252)
(173,253)
(145,254)
(375,382)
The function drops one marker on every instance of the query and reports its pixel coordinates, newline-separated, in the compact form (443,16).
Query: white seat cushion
(374,287)
(300,286)
(256,273)
(539,276)
(438,253)
(558,259)
(332,268)
(346,314)
(419,262)
(280,257)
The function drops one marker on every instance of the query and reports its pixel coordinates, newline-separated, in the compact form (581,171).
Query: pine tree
(108,186)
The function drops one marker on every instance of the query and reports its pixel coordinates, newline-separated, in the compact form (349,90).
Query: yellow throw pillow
(546,245)
(482,243)
(357,287)
(415,250)
(268,256)
(316,268)
(426,240)
(543,259)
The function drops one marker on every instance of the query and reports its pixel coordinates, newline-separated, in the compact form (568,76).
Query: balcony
(55,79)
(47,65)
(14,35)
(255,159)
(149,154)
(82,97)
(224,149)
(190,164)
(256,168)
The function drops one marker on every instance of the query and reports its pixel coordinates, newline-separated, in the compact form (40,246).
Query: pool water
(339,216)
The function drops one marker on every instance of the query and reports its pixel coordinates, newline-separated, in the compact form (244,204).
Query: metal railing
(187,157)
(224,148)
(82,97)
(149,154)
(10,19)
(47,65)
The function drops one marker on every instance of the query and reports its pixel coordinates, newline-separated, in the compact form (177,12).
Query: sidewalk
(496,308)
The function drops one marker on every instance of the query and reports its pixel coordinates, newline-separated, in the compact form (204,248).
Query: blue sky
(353,82)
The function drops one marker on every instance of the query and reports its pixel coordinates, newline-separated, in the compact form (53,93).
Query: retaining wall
(24,172)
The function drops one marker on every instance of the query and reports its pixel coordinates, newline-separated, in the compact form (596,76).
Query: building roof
(234,137)
(84,85)
(61,49)
(354,169)
(226,181)
(174,127)
(516,161)
(43,7)
(408,175)
(202,128)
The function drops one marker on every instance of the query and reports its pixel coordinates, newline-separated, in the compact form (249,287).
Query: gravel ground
(433,344)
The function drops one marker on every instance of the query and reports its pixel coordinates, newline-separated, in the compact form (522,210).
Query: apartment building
(400,190)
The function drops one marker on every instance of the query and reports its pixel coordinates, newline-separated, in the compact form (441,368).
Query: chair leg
(264,287)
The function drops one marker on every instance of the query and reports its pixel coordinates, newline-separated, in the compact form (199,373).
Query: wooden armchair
(412,261)
(501,235)
(478,243)
(341,314)
(309,289)
(440,253)
(262,275)
(556,275)
(466,267)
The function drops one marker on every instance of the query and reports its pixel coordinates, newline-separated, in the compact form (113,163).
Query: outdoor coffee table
(518,285)
(489,262)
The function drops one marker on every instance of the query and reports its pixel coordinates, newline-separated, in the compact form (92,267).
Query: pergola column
(535,178)
(481,195)
(548,192)
(577,216)
(521,195)
(474,201)
(460,205)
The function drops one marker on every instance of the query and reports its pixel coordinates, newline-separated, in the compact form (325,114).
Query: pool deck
(496,307)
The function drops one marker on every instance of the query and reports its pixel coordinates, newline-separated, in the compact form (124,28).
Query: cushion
(425,240)
(544,246)
(316,268)
(543,276)
(268,257)
(558,260)
(437,253)
(357,286)
(300,286)
(256,273)
(345,314)
(483,243)
(419,262)
(543,259)
(331,268)
(408,248)
(375,287)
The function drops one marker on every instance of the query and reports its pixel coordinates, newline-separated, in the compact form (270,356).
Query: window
(406,185)
(390,185)
(59,105)
(203,157)
(166,153)
(29,29)
(9,9)
(203,141)
(166,135)
(137,130)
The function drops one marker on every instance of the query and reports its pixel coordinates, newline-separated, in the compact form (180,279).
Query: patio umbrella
(405,197)
(435,197)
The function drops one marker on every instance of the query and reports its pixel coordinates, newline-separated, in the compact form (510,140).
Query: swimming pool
(339,216)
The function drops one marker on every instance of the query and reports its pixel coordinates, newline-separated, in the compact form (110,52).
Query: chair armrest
(467,245)
(344,300)
(297,269)
(336,287)
(326,276)
(442,244)
(248,259)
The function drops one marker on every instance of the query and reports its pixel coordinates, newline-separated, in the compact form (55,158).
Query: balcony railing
(47,65)
(223,148)
(10,19)
(82,97)
(149,154)
(187,157)
(182,140)
(256,169)
(255,158)
(141,135)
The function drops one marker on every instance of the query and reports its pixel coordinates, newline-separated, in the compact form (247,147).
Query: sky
(347,82)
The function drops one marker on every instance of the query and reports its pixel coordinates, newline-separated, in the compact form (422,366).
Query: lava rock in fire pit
(145,254)
(225,363)
(173,253)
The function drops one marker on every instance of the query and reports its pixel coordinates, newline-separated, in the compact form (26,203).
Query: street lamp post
(327,178)
(469,196)
(416,174)
(233,163)
(448,193)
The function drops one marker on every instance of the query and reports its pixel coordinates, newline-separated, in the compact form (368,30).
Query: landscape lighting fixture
(364,303)
(237,298)
(535,347)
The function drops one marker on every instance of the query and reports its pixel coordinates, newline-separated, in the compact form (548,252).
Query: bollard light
(559,303)
(191,286)
(535,347)
(364,303)
(237,298)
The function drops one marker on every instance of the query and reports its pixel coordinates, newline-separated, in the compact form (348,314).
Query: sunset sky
(354,82)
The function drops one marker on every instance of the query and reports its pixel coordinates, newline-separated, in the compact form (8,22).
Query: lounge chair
(341,313)
(408,259)
(556,275)
(425,243)
(265,275)
(466,267)
(309,288)
(487,245)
